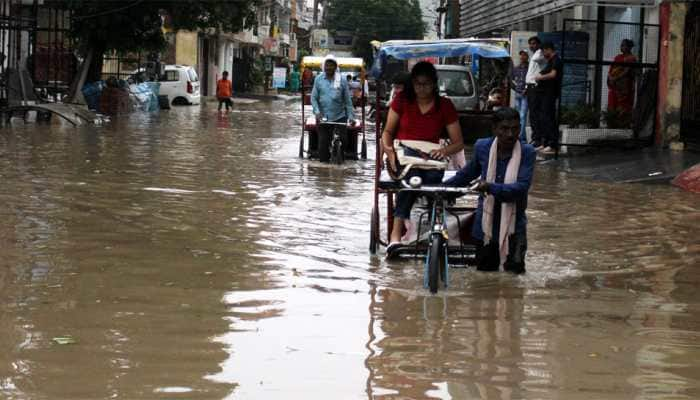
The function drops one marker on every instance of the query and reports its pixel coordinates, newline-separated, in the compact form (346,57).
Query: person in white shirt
(534,96)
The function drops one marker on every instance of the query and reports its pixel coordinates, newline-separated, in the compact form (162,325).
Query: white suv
(180,83)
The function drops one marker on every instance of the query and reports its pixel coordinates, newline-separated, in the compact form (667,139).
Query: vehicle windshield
(455,83)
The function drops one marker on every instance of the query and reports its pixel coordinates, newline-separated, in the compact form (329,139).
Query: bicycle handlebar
(334,123)
(437,189)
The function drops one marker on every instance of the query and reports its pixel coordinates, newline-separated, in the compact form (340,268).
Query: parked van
(457,83)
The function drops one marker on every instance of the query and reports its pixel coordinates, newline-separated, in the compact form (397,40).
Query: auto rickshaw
(346,66)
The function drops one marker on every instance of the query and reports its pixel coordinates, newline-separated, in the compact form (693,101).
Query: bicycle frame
(336,136)
(438,195)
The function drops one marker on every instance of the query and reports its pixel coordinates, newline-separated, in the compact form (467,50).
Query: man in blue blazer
(503,166)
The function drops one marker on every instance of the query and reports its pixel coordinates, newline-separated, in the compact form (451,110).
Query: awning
(404,50)
(419,49)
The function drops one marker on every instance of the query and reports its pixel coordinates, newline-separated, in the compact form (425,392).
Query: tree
(136,25)
(376,20)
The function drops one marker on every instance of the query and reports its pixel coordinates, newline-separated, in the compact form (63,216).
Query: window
(170,76)
(192,75)
(455,83)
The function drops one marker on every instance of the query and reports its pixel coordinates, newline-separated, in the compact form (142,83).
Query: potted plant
(589,117)
(579,116)
(256,76)
(617,119)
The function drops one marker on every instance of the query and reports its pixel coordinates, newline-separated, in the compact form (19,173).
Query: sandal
(391,248)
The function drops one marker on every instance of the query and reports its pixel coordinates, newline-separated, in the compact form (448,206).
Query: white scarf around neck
(507,225)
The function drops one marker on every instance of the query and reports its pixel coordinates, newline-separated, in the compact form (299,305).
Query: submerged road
(192,255)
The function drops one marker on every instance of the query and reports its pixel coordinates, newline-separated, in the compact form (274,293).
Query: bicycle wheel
(338,152)
(435,262)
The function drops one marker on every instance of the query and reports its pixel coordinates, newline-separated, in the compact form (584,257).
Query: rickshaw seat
(310,124)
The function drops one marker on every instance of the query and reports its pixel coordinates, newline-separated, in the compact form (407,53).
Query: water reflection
(452,346)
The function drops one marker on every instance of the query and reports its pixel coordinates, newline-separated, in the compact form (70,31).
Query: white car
(179,82)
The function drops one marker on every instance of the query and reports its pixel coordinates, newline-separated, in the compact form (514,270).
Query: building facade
(657,27)
(271,42)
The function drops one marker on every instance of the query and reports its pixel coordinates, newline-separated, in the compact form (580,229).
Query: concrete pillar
(672,21)
(186,48)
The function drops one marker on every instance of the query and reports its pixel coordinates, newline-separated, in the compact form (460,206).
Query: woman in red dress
(621,80)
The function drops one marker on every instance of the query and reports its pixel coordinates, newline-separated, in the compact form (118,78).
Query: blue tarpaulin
(91,92)
(145,96)
(404,50)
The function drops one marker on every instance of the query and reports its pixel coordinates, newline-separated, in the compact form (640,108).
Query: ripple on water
(212,228)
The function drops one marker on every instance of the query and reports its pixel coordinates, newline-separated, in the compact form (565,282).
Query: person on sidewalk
(307,79)
(517,82)
(224,91)
(534,96)
(331,102)
(294,80)
(504,166)
(621,80)
(549,85)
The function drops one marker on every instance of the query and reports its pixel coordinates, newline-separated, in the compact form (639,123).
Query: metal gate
(608,98)
(123,65)
(690,105)
(35,44)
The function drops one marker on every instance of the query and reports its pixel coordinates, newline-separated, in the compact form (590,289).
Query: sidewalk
(629,166)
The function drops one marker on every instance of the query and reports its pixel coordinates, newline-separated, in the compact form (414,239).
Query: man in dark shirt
(549,84)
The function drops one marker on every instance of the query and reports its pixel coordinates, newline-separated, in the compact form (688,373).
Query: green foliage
(136,25)
(256,74)
(580,115)
(376,20)
(108,25)
(617,118)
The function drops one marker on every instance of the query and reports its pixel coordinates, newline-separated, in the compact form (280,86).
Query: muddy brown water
(193,256)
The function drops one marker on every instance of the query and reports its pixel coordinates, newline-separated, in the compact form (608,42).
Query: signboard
(518,42)
(279,78)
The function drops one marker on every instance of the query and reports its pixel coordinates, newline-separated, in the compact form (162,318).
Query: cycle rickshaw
(443,223)
(309,128)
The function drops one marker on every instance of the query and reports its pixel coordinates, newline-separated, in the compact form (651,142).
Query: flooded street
(194,256)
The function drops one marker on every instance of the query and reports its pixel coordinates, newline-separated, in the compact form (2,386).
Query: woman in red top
(621,80)
(419,113)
